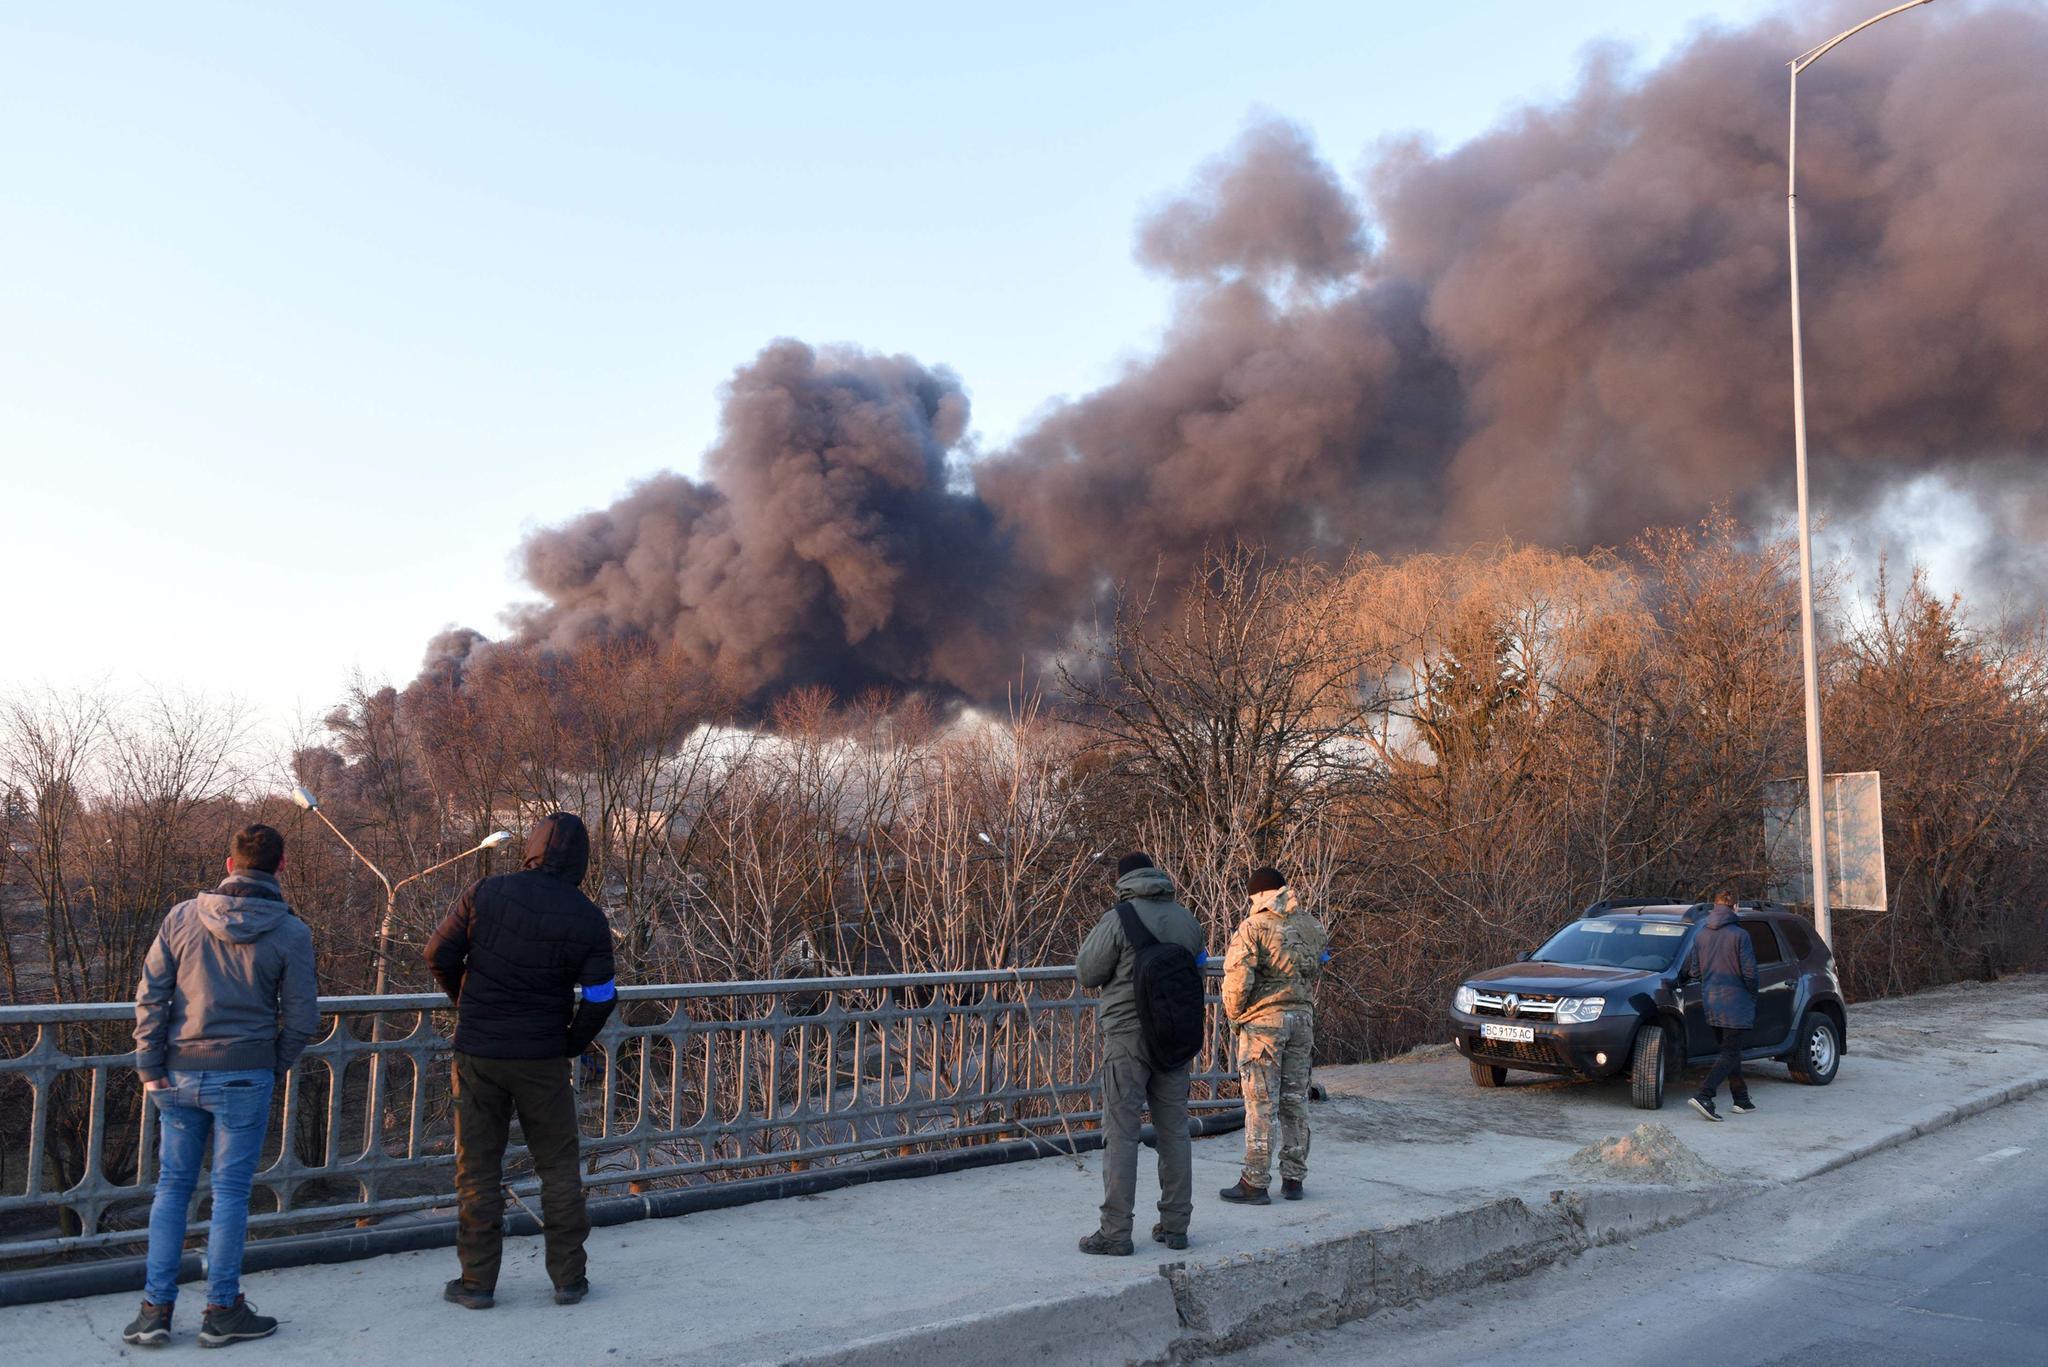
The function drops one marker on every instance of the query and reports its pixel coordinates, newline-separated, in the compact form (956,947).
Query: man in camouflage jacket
(1269,982)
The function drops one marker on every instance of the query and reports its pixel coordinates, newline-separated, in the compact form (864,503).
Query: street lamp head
(495,839)
(984,837)
(305,799)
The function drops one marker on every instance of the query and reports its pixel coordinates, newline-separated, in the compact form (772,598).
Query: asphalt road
(1935,1252)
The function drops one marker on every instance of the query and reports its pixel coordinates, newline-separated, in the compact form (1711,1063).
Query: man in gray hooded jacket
(226,1003)
(1131,1083)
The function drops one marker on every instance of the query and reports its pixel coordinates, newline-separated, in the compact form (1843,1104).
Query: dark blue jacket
(1724,960)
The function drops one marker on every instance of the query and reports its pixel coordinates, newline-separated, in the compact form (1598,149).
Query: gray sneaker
(151,1326)
(225,1324)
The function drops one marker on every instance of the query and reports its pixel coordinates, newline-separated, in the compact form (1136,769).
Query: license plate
(1514,1034)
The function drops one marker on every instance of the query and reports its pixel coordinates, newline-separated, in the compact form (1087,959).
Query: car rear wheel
(1817,1056)
(1647,1068)
(1487,1074)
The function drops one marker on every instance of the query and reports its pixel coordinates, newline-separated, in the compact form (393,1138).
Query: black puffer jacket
(512,949)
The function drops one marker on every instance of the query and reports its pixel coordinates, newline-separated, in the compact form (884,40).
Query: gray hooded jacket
(1106,959)
(228,983)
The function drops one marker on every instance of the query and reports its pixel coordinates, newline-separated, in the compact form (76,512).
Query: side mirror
(1523,957)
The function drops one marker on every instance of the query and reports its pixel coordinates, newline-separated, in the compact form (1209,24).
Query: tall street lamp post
(373,1103)
(1816,814)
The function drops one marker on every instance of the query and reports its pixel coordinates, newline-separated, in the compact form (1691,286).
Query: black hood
(1563,979)
(559,845)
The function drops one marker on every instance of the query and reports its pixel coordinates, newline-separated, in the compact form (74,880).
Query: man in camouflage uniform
(1269,982)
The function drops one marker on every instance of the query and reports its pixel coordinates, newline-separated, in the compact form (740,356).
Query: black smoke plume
(1565,330)
(829,544)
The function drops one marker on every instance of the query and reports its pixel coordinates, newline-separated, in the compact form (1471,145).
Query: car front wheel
(1647,1068)
(1486,1074)
(1818,1053)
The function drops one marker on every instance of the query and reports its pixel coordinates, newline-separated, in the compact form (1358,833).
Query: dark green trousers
(487,1093)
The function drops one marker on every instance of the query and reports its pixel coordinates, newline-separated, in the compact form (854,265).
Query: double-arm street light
(373,1105)
(490,842)
(1817,826)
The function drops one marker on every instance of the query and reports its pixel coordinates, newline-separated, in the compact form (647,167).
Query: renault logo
(1513,1005)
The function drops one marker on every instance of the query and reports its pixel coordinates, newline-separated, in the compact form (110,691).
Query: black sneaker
(1162,1235)
(467,1296)
(1705,1108)
(225,1324)
(573,1292)
(1100,1243)
(151,1326)
(1290,1187)
(1744,1107)
(1244,1195)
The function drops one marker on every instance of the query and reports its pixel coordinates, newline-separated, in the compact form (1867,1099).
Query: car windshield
(1615,943)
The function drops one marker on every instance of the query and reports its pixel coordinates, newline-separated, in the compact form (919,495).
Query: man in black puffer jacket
(509,955)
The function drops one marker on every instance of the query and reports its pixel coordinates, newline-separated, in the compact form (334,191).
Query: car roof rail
(1698,910)
(1614,904)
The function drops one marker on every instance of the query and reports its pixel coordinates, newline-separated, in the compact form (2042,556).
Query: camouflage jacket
(1274,962)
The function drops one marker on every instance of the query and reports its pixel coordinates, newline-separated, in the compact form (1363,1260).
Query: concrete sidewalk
(1419,1183)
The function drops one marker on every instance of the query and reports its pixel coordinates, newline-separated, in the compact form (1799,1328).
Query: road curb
(1933,1118)
(1197,1310)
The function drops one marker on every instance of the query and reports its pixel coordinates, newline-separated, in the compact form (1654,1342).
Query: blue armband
(1326,957)
(1201,957)
(601,992)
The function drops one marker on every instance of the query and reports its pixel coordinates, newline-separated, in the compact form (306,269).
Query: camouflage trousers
(1273,1065)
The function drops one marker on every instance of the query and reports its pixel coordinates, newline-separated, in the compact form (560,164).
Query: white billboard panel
(1853,805)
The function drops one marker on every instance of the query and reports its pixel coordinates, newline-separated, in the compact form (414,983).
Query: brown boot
(1244,1194)
(467,1296)
(1162,1235)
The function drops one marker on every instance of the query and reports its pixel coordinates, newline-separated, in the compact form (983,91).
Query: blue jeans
(231,1110)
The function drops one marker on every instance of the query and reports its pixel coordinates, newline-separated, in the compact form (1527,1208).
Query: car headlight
(1581,1009)
(1464,999)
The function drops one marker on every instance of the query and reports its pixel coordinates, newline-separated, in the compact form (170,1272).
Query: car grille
(1533,1005)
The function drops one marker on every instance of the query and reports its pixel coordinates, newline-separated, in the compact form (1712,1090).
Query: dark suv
(1605,996)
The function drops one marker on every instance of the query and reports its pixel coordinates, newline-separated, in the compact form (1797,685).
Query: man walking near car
(510,955)
(1270,974)
(227,1002)
(1723,963)
(1132,1079)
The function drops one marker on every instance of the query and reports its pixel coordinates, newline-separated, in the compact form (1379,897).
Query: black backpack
(1170,991)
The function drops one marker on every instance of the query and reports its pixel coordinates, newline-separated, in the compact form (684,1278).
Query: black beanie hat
(1266,879)
(1133,861)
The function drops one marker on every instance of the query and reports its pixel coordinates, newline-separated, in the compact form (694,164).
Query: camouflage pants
(1273,1064)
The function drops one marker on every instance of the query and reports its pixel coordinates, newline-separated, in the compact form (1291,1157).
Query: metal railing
(697,1083)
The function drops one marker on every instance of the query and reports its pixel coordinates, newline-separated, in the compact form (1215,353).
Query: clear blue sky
(309,313)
